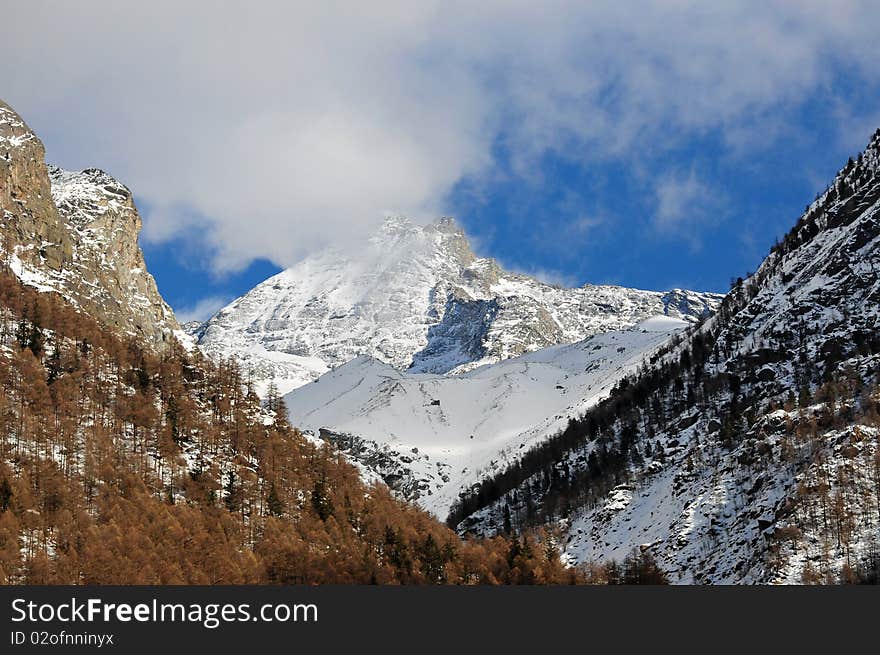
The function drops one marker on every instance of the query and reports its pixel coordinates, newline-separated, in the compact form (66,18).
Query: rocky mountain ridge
(76,233)
(418,298)
(749,451)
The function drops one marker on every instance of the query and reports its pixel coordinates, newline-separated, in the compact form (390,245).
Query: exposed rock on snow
(417,298)
(430,436)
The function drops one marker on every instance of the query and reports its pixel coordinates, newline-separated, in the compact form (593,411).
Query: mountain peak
(85,196)
(396,223)
(854,176)
(447,224)
(869,160)
(34,231)
(14,132)
(417,297)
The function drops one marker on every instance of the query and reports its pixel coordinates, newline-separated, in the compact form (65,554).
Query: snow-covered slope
(430,436)
(749,515)
(416,297)
(750,451)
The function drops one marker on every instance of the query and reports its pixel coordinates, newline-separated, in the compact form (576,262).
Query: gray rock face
(30,219)
(418,298)
(459,338)
(76,233)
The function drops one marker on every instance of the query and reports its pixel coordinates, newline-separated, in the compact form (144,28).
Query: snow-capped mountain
(76,233)
(430,436)
(417,298)
(749,451)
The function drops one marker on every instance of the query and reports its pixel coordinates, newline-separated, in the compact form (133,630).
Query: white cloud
(202,310)
(546,275)
(277,127)
(686,203)
(681,199)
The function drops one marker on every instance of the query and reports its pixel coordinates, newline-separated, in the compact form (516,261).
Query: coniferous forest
(697,439)
(123,466)
(788,396)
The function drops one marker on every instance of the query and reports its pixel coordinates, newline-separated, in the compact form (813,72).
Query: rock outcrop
(31,223)
(76,233)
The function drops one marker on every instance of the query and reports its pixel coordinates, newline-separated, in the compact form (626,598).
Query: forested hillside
(121,465)
(747,450)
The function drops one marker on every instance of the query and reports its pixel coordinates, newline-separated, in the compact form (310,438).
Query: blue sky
(600,223)
(573,223)
(654,146)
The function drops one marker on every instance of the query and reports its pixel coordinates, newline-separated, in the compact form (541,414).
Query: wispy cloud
(283,127)
(549,276)
(685,204)
(201,310)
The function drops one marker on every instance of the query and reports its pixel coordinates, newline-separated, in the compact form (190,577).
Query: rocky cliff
(76,233)
(31,223)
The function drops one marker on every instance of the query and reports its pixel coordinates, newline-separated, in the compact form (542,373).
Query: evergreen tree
(273,502)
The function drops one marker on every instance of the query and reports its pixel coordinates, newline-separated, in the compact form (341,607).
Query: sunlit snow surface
(456,429)
(711,510)
(417,298)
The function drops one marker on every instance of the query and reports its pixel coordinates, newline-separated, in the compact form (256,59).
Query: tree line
(711,375)
(120,465)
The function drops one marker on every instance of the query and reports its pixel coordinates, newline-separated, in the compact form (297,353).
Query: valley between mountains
(358,401)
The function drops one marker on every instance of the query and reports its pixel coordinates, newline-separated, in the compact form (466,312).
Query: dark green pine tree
(232,494)
(433,560)
(53,366)
(508,525)
(321,502)
(273,502)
